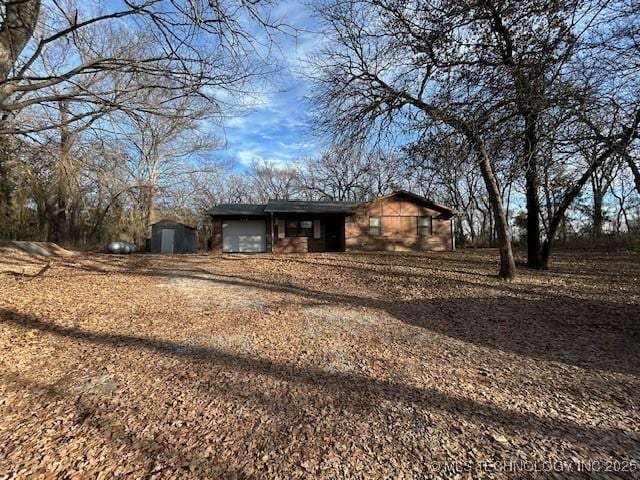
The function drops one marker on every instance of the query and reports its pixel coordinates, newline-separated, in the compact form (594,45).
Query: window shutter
(317,230)
(281,228)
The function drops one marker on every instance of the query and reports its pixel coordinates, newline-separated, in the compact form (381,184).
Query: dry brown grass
(327,365)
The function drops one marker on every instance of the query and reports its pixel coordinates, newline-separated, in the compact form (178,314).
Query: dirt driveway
(327,365)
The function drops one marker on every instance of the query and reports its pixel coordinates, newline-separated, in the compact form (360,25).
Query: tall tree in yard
(604,115)
(555,63)
(395,67)
(481,69)
(525,46)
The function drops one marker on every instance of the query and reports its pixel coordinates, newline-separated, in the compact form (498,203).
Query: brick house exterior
(401,221)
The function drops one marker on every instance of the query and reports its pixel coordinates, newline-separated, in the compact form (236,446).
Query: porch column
(272,233)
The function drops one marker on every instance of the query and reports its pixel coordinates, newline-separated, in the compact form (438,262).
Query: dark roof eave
(235,214)
(166,220)
(236,209)
(309,207)
(319,208)
(309,210)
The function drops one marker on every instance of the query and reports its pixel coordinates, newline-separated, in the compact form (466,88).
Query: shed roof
(166,220)
(241,209)
(299,206)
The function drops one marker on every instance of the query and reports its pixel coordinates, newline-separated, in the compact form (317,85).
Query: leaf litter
(307,366)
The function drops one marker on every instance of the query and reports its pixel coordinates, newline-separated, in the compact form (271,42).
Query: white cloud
(240,102)
(248,157)
(273,127)
(236,122)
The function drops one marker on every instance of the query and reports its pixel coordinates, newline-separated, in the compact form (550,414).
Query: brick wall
(399,227)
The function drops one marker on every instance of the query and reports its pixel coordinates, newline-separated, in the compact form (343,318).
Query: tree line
(521,115)
(102,105)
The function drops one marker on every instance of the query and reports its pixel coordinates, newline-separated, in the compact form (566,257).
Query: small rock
(498,437)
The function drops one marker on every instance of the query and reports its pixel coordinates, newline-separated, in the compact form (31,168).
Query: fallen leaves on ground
(306,366)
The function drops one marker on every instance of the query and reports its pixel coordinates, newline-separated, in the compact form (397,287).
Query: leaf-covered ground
(322,365)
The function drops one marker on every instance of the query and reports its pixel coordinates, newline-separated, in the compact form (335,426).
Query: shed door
(244,236)
(168,237)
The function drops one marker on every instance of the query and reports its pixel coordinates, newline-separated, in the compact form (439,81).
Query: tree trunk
(6,188)
(598,220)
(483,229)
(19,23)
(507,263)
(44,224)
(64,172)
(532,180)
(626,218)
(60,220)
(148,210)
(634,169)
(568,199)
(150,199)
(472,226)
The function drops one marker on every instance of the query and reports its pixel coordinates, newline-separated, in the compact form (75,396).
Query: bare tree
(185,48)
(383,71)
(160,148)
(444,167)
(272,181)
(338,174)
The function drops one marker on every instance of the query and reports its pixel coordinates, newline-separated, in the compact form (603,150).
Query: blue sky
(276,127)
(275,131)
(275,123)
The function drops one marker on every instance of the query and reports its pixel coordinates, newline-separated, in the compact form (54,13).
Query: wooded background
(522,115)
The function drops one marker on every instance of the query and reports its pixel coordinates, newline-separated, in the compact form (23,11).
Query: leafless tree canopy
(100,58)
(522,115)
(536,75)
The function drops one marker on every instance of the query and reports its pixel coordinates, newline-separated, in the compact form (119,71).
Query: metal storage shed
(172,237)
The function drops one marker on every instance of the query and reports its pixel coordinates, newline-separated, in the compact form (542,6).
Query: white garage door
(244,236)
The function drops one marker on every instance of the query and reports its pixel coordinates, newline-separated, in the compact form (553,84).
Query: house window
(375,226)
(424,226)
(299,228)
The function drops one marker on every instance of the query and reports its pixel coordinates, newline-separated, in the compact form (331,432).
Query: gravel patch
(207,292)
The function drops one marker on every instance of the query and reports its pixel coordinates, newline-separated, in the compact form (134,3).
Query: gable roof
(242,209)
(302,206)
(425,201)
(298,206)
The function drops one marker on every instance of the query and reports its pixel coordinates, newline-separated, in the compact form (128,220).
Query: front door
(167,240)
(333,231)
